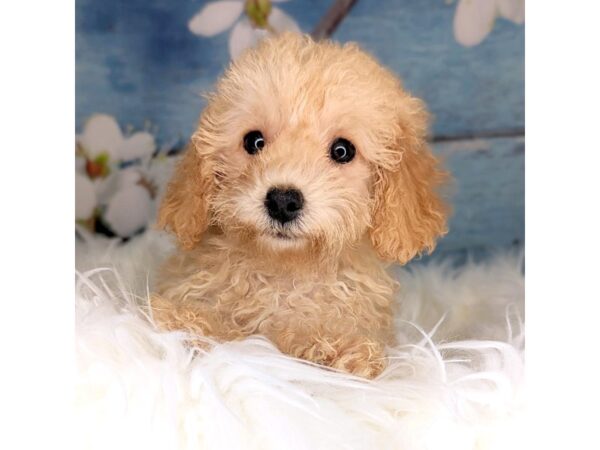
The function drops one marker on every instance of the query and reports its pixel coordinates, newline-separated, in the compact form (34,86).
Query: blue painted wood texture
(489,192)
(137,60)
(468,90)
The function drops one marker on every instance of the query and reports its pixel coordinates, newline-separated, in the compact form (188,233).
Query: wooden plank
(489,197)
(469,90)
(137,60)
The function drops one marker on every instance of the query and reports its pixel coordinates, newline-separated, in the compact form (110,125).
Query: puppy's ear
(408,213)
(185,207)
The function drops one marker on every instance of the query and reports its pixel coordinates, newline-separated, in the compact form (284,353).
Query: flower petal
(106,187)
(281,22)
(80,165)
(216,17)
(513,10)
(138,145)
(473,21)
(128,177)
(85,197)
(128,211)
(244,36)
(101,133)
(160,172)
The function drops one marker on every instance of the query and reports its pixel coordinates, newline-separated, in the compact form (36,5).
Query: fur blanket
(455,383)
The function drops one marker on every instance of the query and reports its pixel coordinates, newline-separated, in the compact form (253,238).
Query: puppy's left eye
(254,142)
(342,151)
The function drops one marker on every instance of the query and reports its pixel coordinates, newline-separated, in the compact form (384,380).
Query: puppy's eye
(254,142)
(342,151)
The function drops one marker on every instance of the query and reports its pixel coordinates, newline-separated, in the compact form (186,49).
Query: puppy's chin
(277,241)
(270,240)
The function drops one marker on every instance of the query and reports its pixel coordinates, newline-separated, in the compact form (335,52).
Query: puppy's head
(309,146)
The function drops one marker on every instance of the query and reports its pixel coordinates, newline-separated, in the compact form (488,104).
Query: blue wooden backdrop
(138,61)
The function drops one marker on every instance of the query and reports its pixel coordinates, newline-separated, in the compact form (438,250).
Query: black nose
(284,205)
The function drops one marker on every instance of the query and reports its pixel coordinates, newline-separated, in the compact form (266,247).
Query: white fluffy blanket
(456,383)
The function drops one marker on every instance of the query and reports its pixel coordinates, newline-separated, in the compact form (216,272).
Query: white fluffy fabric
(455,383)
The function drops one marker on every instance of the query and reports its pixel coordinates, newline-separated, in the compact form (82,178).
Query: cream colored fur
(321,293)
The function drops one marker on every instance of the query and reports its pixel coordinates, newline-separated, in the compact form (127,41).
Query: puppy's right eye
(254,142)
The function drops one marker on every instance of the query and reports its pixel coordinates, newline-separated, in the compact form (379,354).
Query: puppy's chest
(343,289)
(288,288)
(232,284)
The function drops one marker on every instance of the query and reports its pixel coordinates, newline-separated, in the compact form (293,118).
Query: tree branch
(332,18)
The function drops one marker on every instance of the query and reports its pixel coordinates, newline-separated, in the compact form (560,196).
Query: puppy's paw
(169,316)
(353,354)
(364,359)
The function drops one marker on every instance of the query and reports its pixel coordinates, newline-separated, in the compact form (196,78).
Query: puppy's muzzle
(284,205)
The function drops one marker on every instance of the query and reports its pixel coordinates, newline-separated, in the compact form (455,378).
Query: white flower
(123,196)
(129,209)
(474,19)
(221,15)
(85,198)
(102,135)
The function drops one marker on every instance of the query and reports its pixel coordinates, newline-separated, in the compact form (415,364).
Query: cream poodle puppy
(309,172)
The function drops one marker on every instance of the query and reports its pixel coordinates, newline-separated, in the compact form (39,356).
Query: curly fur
(321,292)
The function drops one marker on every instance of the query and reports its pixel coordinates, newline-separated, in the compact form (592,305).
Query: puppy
(308,173)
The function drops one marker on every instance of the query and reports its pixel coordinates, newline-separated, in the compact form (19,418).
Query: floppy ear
(185,207)
(408,213)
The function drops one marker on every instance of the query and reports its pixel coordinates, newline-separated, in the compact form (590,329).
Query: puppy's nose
(284,205)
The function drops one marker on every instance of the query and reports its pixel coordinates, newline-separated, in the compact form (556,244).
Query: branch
(332,18)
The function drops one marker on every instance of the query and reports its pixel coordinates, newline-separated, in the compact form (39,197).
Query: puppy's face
(309,146)
(292,184)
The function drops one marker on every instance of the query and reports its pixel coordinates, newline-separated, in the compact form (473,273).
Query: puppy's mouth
(281,236)
(277,234)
